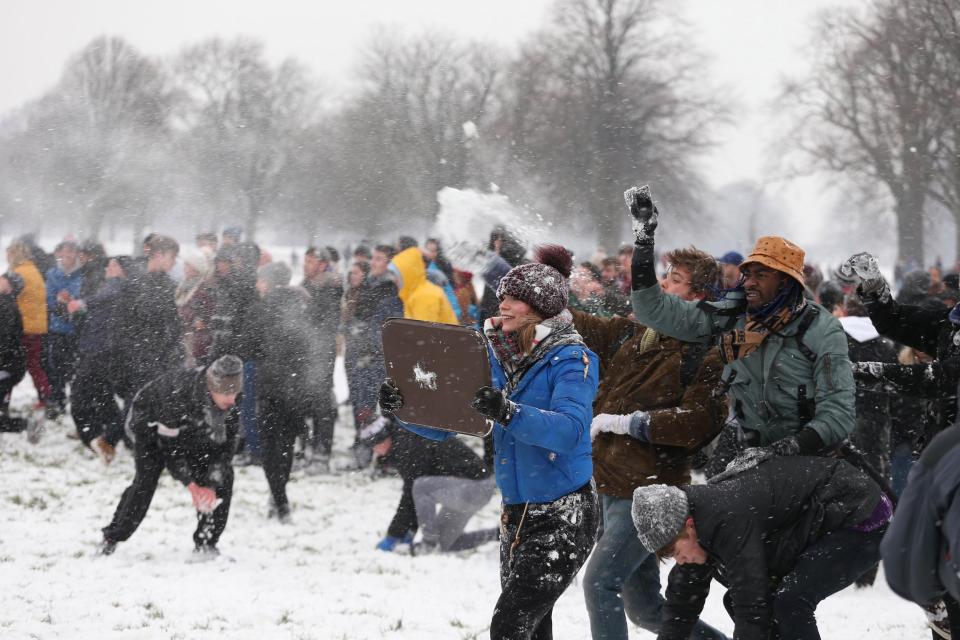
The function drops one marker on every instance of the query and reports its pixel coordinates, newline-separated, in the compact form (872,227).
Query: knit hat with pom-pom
(541,284)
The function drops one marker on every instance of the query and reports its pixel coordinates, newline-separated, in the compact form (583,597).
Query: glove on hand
(491,403)
(636,425)
(644,213)
(864,269)
(204,498)
(753,456)
(390,399)
(389,543)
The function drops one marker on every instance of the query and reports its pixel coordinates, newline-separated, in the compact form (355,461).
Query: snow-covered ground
(318,578)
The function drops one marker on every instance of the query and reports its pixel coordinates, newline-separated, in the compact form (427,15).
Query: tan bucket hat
(780,254)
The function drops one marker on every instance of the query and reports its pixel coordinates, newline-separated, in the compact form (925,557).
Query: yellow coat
(32,301)
(422,300)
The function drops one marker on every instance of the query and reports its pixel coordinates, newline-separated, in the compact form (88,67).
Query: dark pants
(217,475)
(33,346)
(93,402)
(279,425)
(10,424)
(324,414)
(61,363)
(555,539)
(830,565)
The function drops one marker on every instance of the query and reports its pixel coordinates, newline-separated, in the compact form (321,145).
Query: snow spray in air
(467,217)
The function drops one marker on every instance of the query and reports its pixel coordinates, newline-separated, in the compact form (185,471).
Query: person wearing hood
(285,376)
(196,304)
(544,383)
(782,537)
(13,359)
(422,300)
(787,370)
(184,421)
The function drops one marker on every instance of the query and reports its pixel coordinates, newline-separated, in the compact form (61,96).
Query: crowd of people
(812,408)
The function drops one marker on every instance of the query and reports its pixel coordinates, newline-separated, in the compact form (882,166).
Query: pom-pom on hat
(541,284)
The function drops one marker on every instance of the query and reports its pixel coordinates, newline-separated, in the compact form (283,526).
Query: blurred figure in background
(32,302)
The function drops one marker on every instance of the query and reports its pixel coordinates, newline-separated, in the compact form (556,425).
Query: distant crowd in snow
(808,401)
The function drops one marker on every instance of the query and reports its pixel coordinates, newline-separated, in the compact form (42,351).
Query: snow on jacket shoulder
(545,451)
(32,301)
(921,549)
(422,300)
(768,386)
(56,281)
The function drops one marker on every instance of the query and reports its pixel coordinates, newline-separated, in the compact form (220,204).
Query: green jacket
(767,387)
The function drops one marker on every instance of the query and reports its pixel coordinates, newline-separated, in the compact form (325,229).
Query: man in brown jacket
(656,405)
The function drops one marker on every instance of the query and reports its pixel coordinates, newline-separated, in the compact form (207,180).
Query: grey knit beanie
(659,512)
(225,375)
(541,284)
(275,274)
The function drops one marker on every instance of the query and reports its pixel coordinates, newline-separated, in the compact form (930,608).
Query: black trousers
(60,364)
(10,424)
(93,401)
(215,473)
(540,553)
(279,424)
(827,566)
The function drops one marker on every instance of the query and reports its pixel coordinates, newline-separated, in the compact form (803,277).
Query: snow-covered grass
(318,578)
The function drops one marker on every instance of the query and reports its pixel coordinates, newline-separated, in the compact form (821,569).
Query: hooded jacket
(422,300)
(767,387)
(921,550)
(682,417)
(196,433)
(32,301)
(544,452)
(754,528)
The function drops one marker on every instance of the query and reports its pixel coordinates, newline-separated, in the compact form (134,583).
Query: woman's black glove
(491,403)
(391,400)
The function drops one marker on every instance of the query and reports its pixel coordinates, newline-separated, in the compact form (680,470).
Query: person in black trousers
(281,332)
(184,421)
(13,358)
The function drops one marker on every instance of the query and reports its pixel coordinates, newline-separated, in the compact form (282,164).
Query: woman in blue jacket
(544,382)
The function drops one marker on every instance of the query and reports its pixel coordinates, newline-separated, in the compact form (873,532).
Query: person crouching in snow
(184,421)
(544,383)
(781,537)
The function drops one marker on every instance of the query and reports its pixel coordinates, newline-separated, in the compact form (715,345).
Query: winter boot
(938,620)
(204,553)
(36,426)
(103,449)
(106,547)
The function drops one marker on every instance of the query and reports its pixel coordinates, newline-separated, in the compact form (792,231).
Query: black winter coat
(921,549)
(198,432)
(99,332)
(231,324)
(414,457)
(13,359)
(281,339)
(149,328)
(754,527)
(927,329)
(874,405)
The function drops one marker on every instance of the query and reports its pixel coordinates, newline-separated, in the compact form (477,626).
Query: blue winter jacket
(57,281)
(545,451)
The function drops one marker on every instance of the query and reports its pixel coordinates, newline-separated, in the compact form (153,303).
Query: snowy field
(319,578)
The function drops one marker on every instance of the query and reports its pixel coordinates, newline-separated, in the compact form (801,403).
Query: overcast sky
(751,44)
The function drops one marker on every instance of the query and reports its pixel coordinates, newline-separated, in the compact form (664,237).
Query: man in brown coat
(656,405)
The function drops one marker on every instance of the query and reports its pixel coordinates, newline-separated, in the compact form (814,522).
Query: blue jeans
(901,461)
(622,580)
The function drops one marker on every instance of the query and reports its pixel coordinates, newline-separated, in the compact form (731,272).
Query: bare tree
(609,94)
(870,109)
(95,144)
(241,120)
